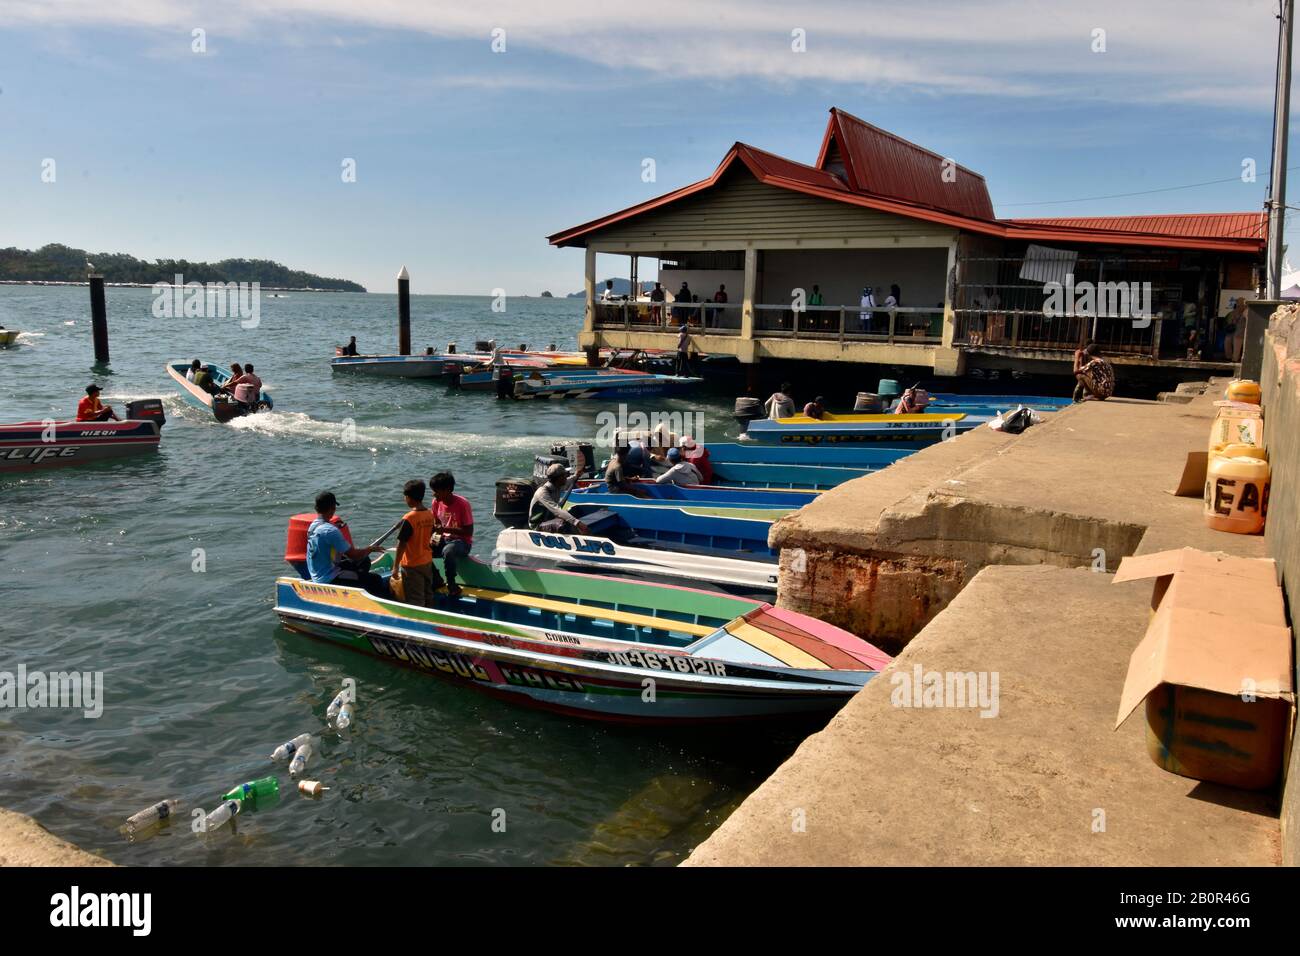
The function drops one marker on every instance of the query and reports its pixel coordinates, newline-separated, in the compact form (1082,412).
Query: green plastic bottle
(255,793)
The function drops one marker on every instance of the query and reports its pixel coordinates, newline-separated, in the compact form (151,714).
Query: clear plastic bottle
(221,815)
(159,811)
(286,749)
(344,719)
(337,703)
(300,757)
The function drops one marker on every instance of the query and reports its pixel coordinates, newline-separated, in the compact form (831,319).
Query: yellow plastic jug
(1236,494)
(1243,390)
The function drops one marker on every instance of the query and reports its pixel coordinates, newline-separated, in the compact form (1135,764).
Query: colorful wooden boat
(898,431)
(222,405)
(638,557)
(701,528)
(839,456)
(597,647)
(610,383)
(27,447)
(595,491)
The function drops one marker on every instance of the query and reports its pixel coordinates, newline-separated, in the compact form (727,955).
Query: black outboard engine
(748,409)
(505,379)
(514,496)
(146,410)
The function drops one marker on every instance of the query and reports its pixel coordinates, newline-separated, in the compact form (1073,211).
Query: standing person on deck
(90,409)
(453,532)
(779,404)
(1095,375)
(414,557)
(682,366)
(657,296)
(867,304)
(331,561)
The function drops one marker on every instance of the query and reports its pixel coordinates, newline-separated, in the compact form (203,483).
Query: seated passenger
(545,511)
(680,472)
(246,387)
(203,379)
(90,409)
(331,561)
(193,370)
(816,408)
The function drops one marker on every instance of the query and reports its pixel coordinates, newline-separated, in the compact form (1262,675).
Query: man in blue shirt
(331,561)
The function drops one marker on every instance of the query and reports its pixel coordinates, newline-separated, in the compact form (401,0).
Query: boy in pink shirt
(453,529)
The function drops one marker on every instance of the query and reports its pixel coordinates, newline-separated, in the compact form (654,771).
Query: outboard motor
(514,495)
(868,403)
(505,379)
(748,409)
(295,542)
(482,345)
(146,410)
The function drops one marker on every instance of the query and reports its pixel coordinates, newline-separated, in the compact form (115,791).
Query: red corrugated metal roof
(887,173)
(879,163)
(1201,225)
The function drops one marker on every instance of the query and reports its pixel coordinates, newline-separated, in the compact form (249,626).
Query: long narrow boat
(760,475)
(596,647)
(898,431)
(8,337)
(391,366)
(701,528)
(485,378)
(1040,403)
(839,456)
(595,490)
(613,384)
(27,447)
(754,577)
(222,405)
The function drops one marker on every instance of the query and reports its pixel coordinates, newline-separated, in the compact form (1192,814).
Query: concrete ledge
(24,842)
(887,785)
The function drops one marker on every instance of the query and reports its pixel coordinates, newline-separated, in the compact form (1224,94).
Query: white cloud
(1177,51)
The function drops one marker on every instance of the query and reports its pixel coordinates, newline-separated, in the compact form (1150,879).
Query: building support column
(751,283)
(951,278)
(589,319)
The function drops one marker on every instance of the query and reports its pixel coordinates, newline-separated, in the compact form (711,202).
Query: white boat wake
(375,438)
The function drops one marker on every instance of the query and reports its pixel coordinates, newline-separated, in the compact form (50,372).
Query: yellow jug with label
(1236,423)
(1243,390)
(1236,494)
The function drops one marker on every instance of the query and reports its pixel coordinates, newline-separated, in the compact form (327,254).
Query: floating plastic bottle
(344,719)
(221,815)
(299,762)
(255,793)
(286,749)
(159,811)
(311,788)
(341,698)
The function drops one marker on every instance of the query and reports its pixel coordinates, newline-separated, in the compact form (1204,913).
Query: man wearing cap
(90,409)
(331,561)
(680,471)
(545,512)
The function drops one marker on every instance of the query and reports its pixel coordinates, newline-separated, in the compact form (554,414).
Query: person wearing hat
(330,560)
(816,408)
(546,511)
(867,304)
(91,409)
(680,471)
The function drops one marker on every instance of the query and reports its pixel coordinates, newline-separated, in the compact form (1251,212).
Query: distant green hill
(621,287)
(59,263)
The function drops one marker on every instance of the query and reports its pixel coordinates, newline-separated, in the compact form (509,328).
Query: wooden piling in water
(404,312)
(99,319)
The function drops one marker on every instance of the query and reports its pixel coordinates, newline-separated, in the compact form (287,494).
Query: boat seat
(581,610)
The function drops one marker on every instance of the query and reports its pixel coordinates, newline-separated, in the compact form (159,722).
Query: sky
(476,129)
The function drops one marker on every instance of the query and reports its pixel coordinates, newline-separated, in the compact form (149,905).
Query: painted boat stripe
(770,644)
(598,613)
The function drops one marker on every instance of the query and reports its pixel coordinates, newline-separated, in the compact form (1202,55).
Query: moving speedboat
(8,337)
(222,405)
(31,446)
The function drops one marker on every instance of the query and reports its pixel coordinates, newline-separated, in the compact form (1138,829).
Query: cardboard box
(1218,695)
(1259,601)
(1163,565)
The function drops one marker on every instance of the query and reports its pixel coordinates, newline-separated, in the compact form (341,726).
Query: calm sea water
(201,682)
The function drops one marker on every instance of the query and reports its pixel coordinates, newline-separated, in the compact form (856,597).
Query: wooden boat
(757,475)
(898,431)
(222,405)
(595,490)
(755,576)
(597,647)
(704,529)
(839,456)
(8,337)
(391,366)
(484,378)
(608,383)
(27,447)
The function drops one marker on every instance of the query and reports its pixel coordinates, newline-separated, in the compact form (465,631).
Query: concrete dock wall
(1280,382)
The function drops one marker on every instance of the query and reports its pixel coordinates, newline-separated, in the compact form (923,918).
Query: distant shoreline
(150,285)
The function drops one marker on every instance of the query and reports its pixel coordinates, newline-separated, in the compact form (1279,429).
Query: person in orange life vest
(90,409)
(414,558)
(453,529)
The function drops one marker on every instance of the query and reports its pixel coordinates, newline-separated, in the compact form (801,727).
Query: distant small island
(547,295)
(59,263)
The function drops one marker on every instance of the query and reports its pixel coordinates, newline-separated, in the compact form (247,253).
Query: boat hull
(617,385)
(28,447)
(571,674)
(222,411)
(690,527)
(390,366)
(8,337)
(897,431)
(597,555)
